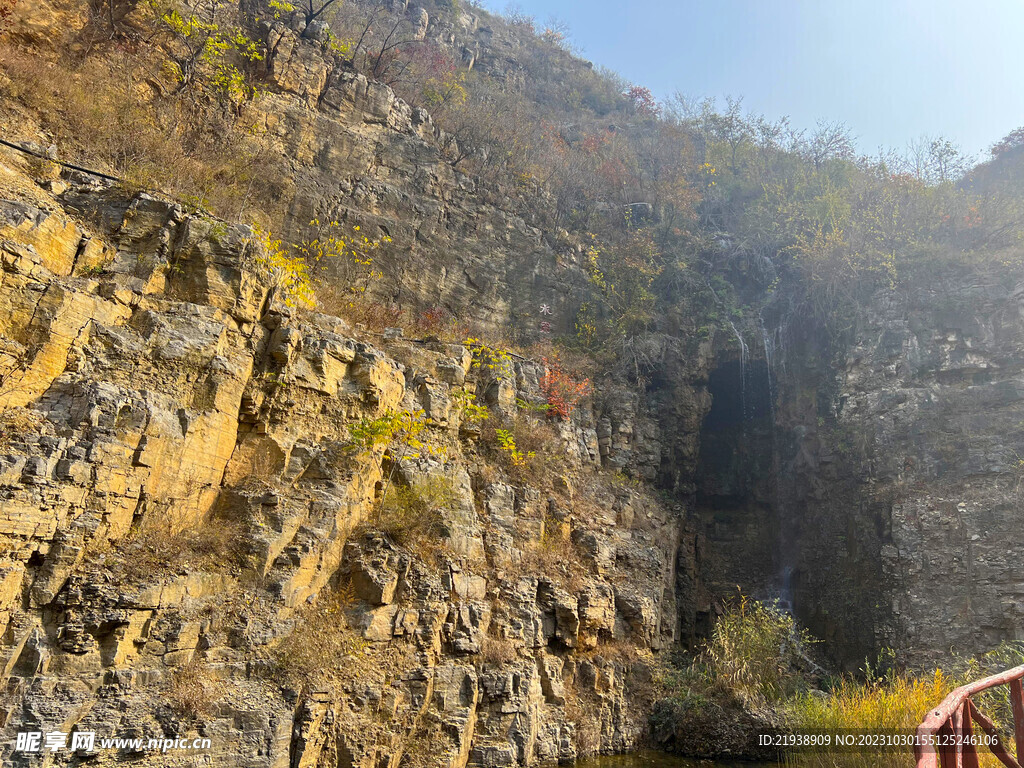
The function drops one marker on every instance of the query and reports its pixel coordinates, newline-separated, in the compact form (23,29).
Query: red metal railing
(953,720)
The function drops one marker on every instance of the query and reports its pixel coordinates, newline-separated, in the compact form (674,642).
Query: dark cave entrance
(736,482)
(736,434)
(779,503)
(740,395)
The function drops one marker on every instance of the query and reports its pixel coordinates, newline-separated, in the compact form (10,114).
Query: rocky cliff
(932,388)
(181,503)
(190,534)
(871,479)
(195,544)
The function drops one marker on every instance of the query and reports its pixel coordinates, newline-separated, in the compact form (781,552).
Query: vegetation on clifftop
(659,197)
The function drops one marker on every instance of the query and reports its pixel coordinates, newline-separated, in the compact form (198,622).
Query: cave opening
(736,482)
(740,395)
(736,451)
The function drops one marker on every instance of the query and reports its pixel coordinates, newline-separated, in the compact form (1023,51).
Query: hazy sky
(893,70)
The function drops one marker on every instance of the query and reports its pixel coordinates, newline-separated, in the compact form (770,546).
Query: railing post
(967,749)
(1017,701)
(946,751)
(1000,748)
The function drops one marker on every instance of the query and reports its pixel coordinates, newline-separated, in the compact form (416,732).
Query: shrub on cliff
(562,390)
(154,93)
(347,256)
(411,515)
(322,644)
(191,690)
(288,273)
(757,650)
(523,447)
(206,53)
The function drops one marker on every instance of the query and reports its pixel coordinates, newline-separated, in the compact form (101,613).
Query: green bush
(758,651)
(411,515)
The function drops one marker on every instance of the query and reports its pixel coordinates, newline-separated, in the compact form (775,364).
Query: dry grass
(536,434)
(486,474)
(756,661)
(322,646)
(263,475)
(616,650)
(557,557)
(590,503)
(583,709)
(896,703)
(336,299)
(497,651)
(113,111)
(899,702)
(18,423)
(440,323)
(190,690)
(411,516)
(427,743)
(536,440)
(216,544)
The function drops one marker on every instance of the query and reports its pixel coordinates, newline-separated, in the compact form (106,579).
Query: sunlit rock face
(181,501)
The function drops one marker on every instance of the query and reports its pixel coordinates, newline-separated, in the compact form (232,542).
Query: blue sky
(893,70)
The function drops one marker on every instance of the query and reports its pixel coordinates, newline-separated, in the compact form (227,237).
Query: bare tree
(830,141)
(937,159)
(314,9)
(731,126)
(380,39)
(947,162)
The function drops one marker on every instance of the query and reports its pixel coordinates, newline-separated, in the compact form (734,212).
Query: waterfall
(773,340)
(786,589)
(744,359)
(769,359)
(744,353)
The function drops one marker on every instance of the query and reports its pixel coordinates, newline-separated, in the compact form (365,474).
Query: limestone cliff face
(809,473)
(156,389)
(181,507)
(933,383)
(361,155)
(896,472)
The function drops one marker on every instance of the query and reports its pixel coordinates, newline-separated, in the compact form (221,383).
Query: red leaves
(6,9)
(561,390)
(643,101)
(434,320)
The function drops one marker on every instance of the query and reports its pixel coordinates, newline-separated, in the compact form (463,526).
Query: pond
(652,759)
